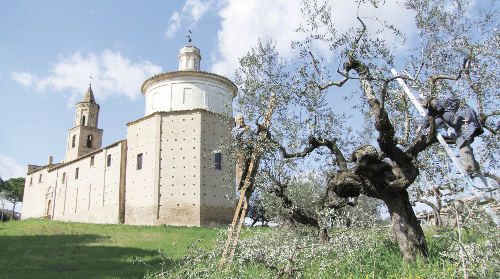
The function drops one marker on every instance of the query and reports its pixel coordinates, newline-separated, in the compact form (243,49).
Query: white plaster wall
(184,91)
(92,198)
(34,194)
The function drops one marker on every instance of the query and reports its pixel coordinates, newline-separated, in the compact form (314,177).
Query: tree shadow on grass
(71,256)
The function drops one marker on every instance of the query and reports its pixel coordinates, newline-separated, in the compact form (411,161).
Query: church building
(169,170)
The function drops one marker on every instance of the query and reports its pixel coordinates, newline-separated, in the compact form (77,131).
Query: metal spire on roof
(189,37)
(89,95)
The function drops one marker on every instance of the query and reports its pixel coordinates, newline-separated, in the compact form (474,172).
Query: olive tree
(457,54)
(452,58)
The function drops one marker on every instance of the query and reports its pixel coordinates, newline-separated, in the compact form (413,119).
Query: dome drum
(183,90)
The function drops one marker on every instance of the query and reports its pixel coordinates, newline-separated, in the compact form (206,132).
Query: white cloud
(243,22)
(175,23)
(196,8)
(10,169)
(113,75)
(192,11)
(25,79)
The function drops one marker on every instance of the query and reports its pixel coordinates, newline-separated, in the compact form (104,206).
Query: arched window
(83,120)
(89,141)
(74,141)
(49,204)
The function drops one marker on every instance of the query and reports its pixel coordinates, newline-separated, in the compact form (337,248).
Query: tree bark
(406,226)
(436,209)
(13,213)
(297,215)
(373,177)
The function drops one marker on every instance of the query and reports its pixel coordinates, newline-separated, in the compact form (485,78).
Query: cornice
(53,167)
(176,112)
(192,74)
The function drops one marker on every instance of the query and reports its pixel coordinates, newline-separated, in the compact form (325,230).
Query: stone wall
(178,170)
(218,192)
(81,149)
(141,193)
(177,183)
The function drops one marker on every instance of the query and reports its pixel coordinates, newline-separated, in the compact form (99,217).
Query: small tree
(14,191)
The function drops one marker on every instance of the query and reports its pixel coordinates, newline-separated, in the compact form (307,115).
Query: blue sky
(50,48)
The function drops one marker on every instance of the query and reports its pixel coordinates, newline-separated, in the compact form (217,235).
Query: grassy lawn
(48,249)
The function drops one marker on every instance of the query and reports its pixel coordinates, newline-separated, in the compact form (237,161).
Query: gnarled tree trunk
(373,178)
(406,226)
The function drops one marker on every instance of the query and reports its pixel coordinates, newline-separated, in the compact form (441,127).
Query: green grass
(380,260)
(49,249)
(41,248)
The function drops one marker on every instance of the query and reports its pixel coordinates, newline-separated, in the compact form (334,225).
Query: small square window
(139,161)
(109,160)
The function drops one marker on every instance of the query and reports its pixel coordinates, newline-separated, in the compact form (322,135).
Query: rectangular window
(76,173)
(64,177)
(139,161)
(109,160)
(40,180)
(92,161)
(217,161)
(31,181)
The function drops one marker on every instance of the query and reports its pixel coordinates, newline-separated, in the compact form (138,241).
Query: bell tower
(84,137)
